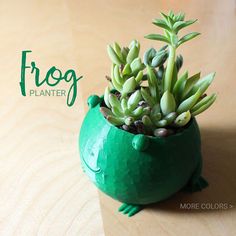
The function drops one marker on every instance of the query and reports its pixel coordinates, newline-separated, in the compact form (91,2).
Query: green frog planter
(143,166)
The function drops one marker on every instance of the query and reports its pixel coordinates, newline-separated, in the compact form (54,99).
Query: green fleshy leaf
(167,103)
(134,99)
(203,101)
(159,59)
(189,102)
(182,119)
(203,83)
(182,24)
(117,112)
(170,117)
(188,37)
(106,112)
(161,123)
(124,104)
(129,120)
(147,121)
(166,18)
(191,81)
(139,77)
(152,82)
(148,56)
(158,37)
(113,56)
(179,86)
(115,120)
(117,76)
(161,23)
(113,100)
(204,105)
(124,53)
(127,70)
(133,53)
(138,112)
(147,98)
(129,86)
(136,65)
(117,49)
(180,17)
(106,96)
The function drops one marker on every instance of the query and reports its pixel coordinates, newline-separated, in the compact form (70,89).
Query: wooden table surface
(42,188)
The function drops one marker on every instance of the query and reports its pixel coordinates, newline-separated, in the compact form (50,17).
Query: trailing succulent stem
(167,100)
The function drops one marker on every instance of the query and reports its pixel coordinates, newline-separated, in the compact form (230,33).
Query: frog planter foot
(130,209)
(137,169)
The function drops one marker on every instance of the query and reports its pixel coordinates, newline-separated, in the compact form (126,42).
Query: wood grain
(42,188)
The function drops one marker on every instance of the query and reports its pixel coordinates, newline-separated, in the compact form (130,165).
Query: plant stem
(169,68)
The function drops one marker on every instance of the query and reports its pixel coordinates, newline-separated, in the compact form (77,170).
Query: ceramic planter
(138,169)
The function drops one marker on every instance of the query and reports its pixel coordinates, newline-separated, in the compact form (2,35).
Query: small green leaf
(134,99)
(180,17)
(146,96)
(113,56)
(117,75)
(129,120)
(179,86)
(124,104)
(157,37)
(203,83)
(106,96)
(152,82)
(170,117)
(167,103)
(129,86)
(148,56)
(137,112)
(203,102)
(136,65)
(124,53)
(204,107)
(182,119)
(117,112)
(189,102)
(117,49)
(113,100)
(127,70)
(191,81)
(166,18)
(139,77)
(161,23)
(161,123)
(182,24)
(188,37)
(115,120)
(159,59)
(147,121)
(133,53)
(106,112)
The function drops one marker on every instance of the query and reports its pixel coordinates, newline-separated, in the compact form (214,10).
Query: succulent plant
(152,93)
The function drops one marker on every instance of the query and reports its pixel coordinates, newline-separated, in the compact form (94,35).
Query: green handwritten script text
(52,78)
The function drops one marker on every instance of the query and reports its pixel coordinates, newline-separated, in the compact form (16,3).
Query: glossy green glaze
(138,169)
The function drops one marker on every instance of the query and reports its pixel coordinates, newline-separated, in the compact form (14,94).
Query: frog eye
(140,142)
(93,100)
